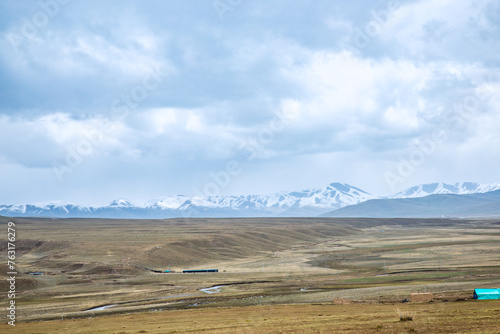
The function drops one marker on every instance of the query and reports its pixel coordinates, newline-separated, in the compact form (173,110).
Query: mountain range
(336,199)
(475,205)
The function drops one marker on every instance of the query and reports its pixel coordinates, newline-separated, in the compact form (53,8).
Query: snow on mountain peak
(167,203)
(121,203)
(308,202)
(459,188)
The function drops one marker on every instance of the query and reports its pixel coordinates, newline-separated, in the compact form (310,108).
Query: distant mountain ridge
(305,203)
(309,202)
(476,205)
(462,188)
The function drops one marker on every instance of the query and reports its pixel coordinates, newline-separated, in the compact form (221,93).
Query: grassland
(453,317)
(275,274)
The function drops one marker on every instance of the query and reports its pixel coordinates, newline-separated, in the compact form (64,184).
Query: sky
(140,100)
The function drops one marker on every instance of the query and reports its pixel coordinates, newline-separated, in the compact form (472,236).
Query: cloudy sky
(139,100)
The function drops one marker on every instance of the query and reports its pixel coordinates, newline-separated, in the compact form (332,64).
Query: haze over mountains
(443,188)
(472,205)
(335,199)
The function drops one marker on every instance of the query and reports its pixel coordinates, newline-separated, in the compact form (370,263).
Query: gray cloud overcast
(135,100)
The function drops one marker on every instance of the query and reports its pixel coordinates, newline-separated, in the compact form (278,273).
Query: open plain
(297,275)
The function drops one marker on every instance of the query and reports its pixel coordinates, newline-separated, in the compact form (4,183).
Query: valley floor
(452,317)
(293,275)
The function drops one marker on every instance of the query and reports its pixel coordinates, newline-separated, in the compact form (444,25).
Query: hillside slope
(472,205)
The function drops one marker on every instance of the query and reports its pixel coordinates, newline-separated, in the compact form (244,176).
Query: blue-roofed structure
(482,294)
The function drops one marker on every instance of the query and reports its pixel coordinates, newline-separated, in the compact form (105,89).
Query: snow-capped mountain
(46,209)
(476,205)
(167,203)
(309,202)
(305,203)
(334,195)
(121,203)
(461,188)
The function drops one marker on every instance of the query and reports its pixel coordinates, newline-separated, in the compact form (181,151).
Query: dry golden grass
(264,262)
(403,315)
(456,317)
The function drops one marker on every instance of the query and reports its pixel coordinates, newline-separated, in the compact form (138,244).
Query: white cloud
(154,122)
(194,124)
(344,91)
(227,80)
(403,119)
(444,29)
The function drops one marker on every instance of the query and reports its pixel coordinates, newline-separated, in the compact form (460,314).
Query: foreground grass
(267,267)
(456,317)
